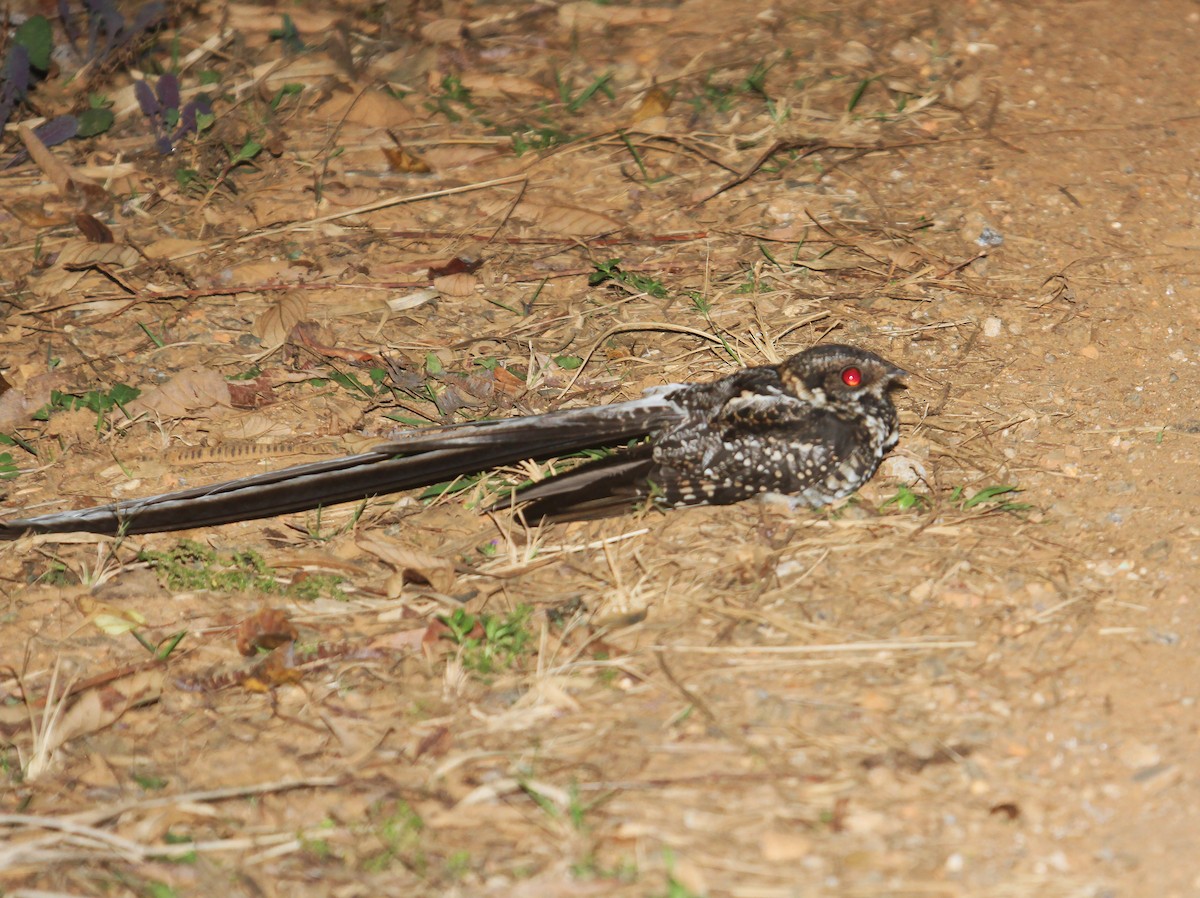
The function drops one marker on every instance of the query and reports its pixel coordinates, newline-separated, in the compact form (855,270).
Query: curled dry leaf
(266,630)
(654,103)
(276,323)
(401,160)
(276,669)
(93,229)
(412,300)
(189,394)
(461,284)
(414,563)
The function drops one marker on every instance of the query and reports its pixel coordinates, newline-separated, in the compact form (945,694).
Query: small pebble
(992,327)
(990,237)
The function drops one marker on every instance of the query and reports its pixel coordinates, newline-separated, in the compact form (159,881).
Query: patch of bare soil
(976,677)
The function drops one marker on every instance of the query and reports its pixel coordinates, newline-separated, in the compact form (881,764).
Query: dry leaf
(586,14)
(244,18)
(414,563)
(278,207)
(412,300)
(268,629)
(965,91)
(33,213)
(338,194)
(172,248)
(455,266)
(489,84)
(94,230)
(462,284)
(443,158)
(79,254)
(401,160)
(57,171)
(255,427)
(15,409)
(656,102)
(371,108)
(102,706)
(570,220)
(276,323)
(507,382)
(256,393)
(1183,238)
(111,619)
(277,669)
(445,31)
(186,395)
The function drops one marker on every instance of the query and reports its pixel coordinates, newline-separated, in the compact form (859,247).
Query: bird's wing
(597,489)
(421,458)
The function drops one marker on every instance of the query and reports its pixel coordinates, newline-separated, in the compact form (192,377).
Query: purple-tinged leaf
(187,120)
(68,24)
(106,11)
(164,145)
(149,16)
(16,71)
(168,91)
(146,99)
(93,34)
(104,16)
(14,81)
(58,130)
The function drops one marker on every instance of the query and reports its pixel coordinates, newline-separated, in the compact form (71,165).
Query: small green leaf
(249,150)
(857,96)
(94,121)
(433,365)
(34,36)
(987,494)
(568,362)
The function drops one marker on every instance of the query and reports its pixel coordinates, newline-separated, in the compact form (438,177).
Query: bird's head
(832,373)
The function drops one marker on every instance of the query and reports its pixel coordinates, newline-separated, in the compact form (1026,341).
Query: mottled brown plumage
(812,429)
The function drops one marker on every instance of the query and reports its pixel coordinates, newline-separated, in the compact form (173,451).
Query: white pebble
(992,327)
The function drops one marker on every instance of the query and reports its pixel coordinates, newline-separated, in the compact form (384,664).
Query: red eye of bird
(851,376)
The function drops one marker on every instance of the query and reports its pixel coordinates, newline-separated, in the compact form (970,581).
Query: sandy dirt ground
(977,677)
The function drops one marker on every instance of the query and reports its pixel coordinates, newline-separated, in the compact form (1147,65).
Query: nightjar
(812,429)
